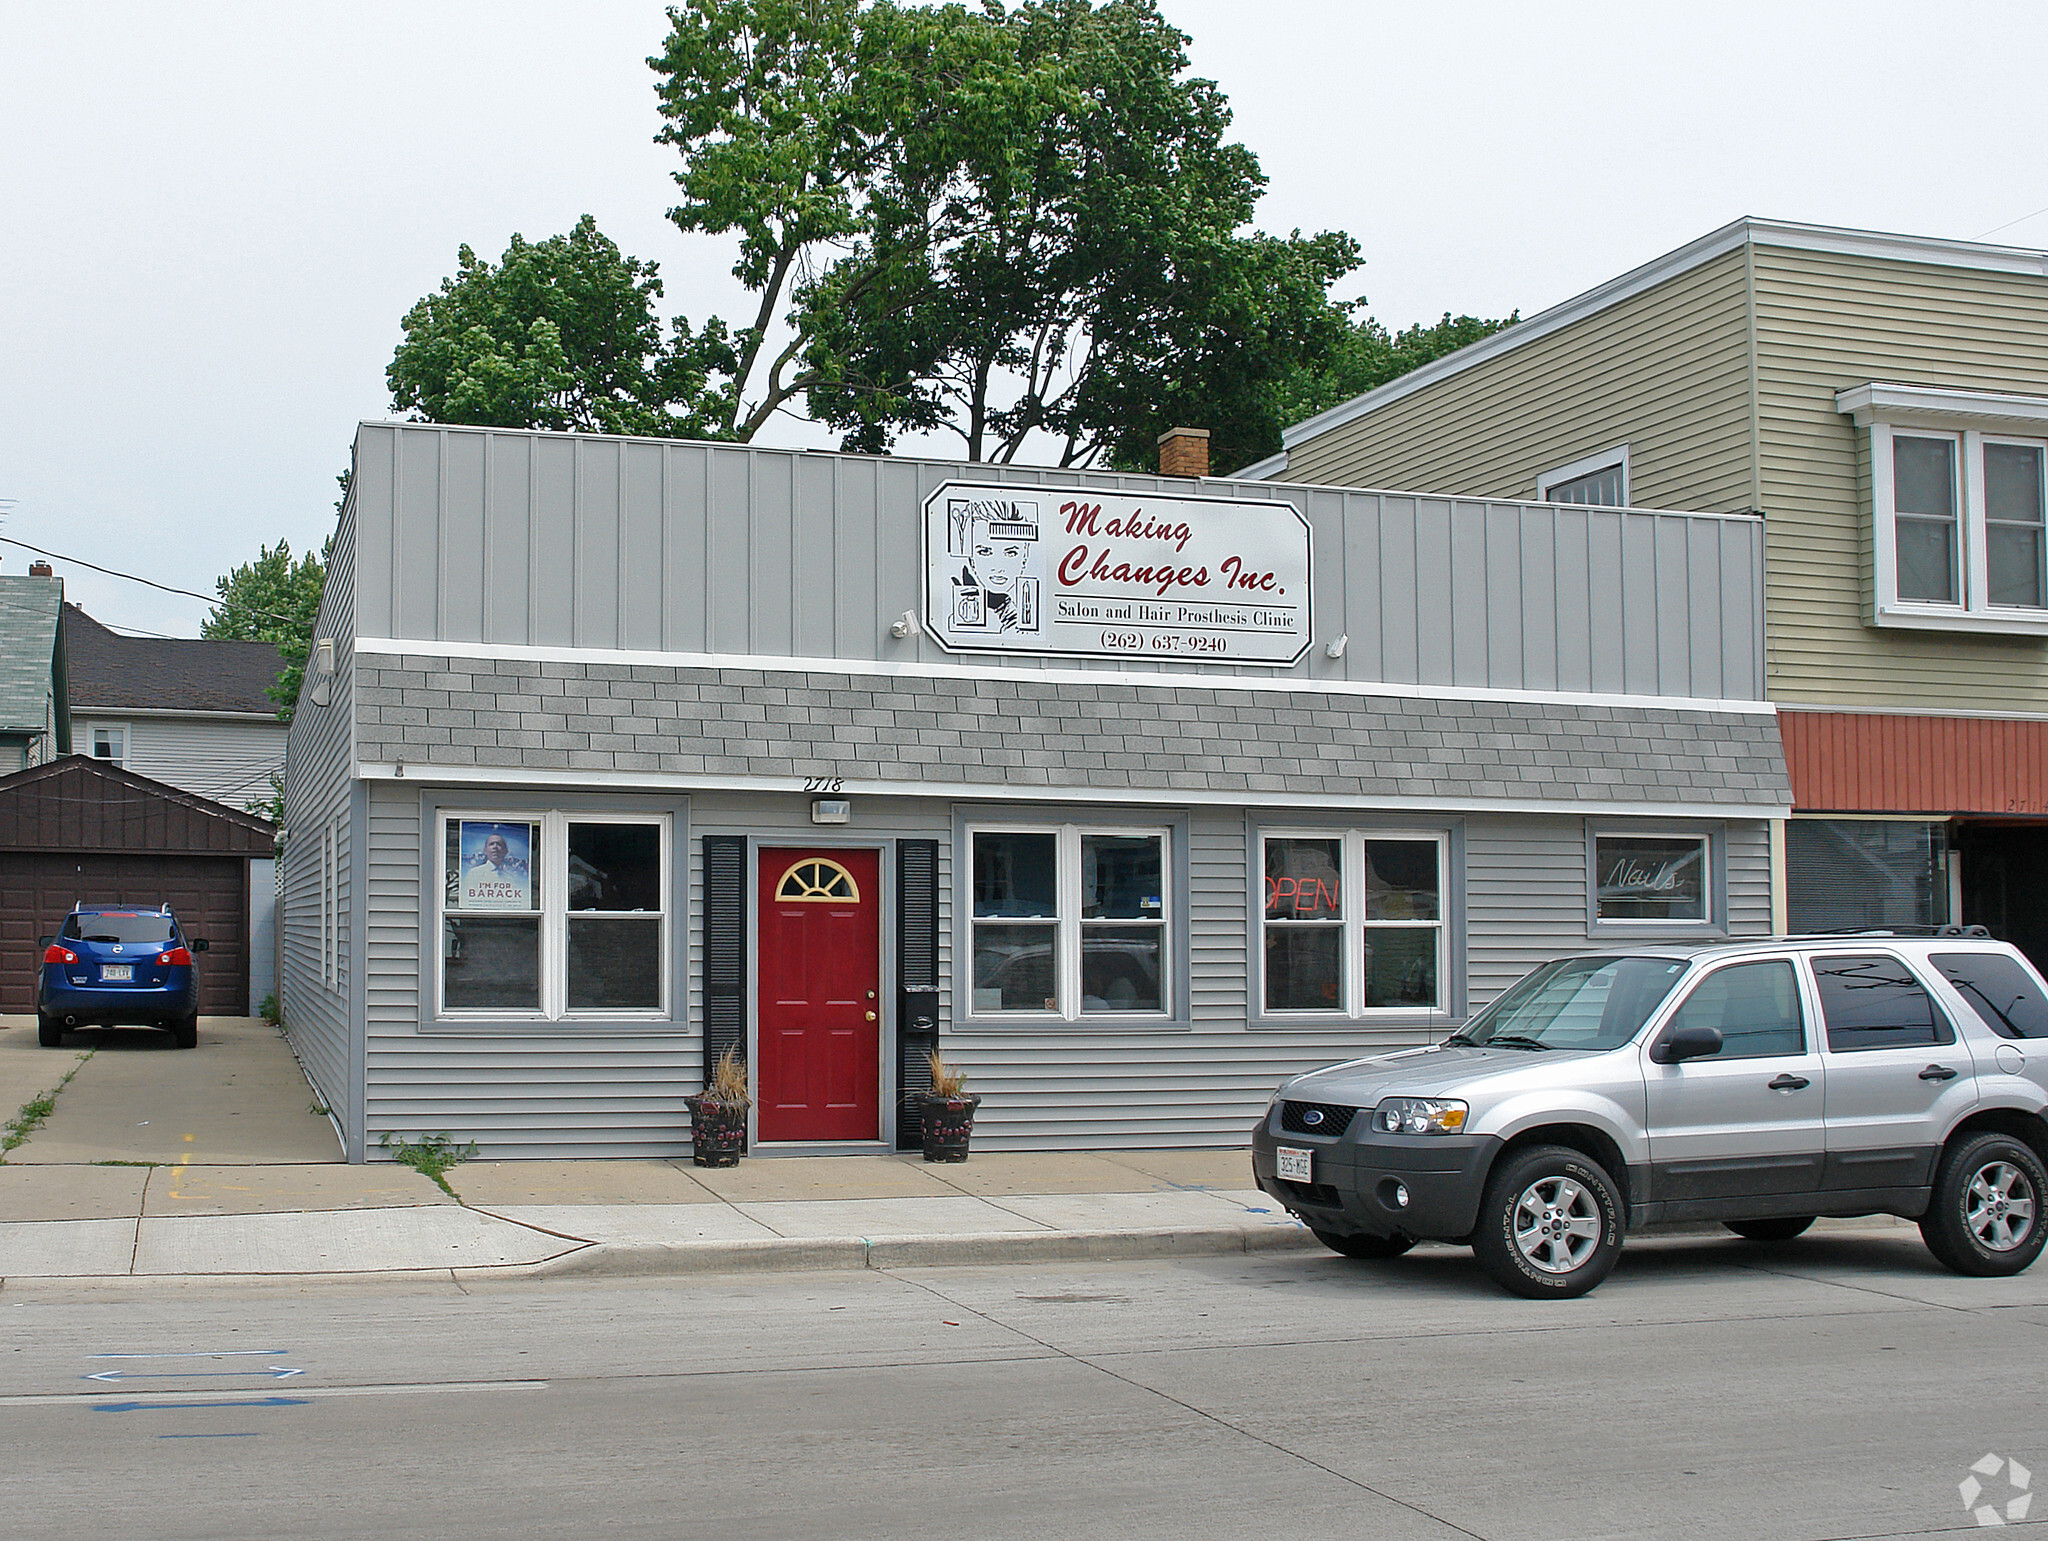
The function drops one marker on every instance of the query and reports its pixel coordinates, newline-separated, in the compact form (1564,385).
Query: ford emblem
(1312,1117)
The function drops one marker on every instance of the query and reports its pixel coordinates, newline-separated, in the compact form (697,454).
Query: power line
(2010,223)
(212,599)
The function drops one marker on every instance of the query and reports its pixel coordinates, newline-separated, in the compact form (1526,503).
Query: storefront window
(1353,923)
(1650,877)
(1069,922)
(553,915)
(1858,874)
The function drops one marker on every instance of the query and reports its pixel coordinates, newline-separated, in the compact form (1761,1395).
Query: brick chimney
(1184,452)
(41,570)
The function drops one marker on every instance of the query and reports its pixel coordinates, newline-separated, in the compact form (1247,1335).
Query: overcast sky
(214,215)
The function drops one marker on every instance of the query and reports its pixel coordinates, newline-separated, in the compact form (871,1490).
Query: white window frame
(1971,419)
(1588,465)
(1068,927)
(117,732)
(1708,918)
(1351,880)
(554,914)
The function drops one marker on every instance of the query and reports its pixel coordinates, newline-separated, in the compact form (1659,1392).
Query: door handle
(1790,1083)
(871,1016)
(1937,1073)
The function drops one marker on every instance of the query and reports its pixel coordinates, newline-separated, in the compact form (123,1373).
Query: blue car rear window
(129,930)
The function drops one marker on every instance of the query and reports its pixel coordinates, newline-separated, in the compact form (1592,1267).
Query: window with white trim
(1652,878)
(109,742)
(1352,923)
(1069,922)
(1959,508)
(554,915)
(1598,480)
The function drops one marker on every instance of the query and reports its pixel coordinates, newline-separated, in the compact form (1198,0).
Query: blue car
(118,966)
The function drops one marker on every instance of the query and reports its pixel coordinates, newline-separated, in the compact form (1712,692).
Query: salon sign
(1113,575)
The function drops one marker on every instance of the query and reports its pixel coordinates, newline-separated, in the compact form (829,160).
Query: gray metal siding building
(1128,894)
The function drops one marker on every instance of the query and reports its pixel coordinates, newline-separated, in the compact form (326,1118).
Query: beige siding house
(1881,403)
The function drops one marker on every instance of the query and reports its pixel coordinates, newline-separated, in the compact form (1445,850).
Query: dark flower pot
(948,1121)
(718,1131)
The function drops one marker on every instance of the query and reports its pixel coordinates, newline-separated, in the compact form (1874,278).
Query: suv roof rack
(1950,929)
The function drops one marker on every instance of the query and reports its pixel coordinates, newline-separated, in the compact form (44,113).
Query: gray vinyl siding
(230,762)
(1526,882)
(1826,322)
(651,546)
(1666,372)
(319,794)
(588,1091)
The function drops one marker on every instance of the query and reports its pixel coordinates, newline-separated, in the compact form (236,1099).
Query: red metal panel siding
(1870,762)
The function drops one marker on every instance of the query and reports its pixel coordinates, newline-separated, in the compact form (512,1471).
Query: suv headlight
(1419,1115)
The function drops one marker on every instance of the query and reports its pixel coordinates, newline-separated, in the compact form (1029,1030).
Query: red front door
(819,1052)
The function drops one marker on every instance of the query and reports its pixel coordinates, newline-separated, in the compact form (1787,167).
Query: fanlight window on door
(817,881)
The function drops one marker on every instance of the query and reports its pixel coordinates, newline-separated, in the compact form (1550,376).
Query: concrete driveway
(239,1099)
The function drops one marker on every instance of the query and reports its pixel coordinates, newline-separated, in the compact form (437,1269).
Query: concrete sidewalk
(540,1219)
(155,1163)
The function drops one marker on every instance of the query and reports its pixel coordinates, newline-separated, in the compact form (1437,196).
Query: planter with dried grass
(718,1114)
(948,1111)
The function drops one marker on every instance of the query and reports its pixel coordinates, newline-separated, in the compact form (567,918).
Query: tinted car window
(1999,990)
(1754,1005)
(1871,1001)
(130,930)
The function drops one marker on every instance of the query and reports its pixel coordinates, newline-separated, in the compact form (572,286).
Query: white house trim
(441,776)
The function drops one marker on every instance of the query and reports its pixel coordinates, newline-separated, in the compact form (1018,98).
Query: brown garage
(82,830)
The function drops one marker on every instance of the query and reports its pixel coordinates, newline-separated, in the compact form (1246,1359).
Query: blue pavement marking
(181,1406)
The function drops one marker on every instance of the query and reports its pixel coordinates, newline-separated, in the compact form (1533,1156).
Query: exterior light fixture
(905,624)
(1336,648)
(831,810)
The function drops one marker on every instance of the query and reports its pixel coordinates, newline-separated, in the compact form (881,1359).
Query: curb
(928,1251)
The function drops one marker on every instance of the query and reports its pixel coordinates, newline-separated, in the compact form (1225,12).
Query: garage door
(37,890)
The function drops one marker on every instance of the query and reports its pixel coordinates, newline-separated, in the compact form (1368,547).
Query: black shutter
(917,981)
(725,948)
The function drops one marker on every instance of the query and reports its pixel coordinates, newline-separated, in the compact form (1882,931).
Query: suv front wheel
(1550,1224)
(1985,1217)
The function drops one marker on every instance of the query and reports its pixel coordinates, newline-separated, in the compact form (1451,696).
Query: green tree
(563,334)
(1366,357)
(999,222)
(273,599)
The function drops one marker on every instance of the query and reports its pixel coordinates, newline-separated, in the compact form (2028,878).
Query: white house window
(1654,878)
(1959,490)
(554,915)
(1353,922)
(1069,922)
(1600,480)
(110,743)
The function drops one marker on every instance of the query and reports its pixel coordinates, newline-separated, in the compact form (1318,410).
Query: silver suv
(1761,1084)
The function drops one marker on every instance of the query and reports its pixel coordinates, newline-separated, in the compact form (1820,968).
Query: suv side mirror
(1686,1043)
(43,942)
(200,944)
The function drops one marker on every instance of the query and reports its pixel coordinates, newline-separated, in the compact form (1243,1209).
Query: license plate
(1294,1165)
(117,973)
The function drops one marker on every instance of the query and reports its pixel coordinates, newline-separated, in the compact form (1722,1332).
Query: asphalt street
(1838,1387)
